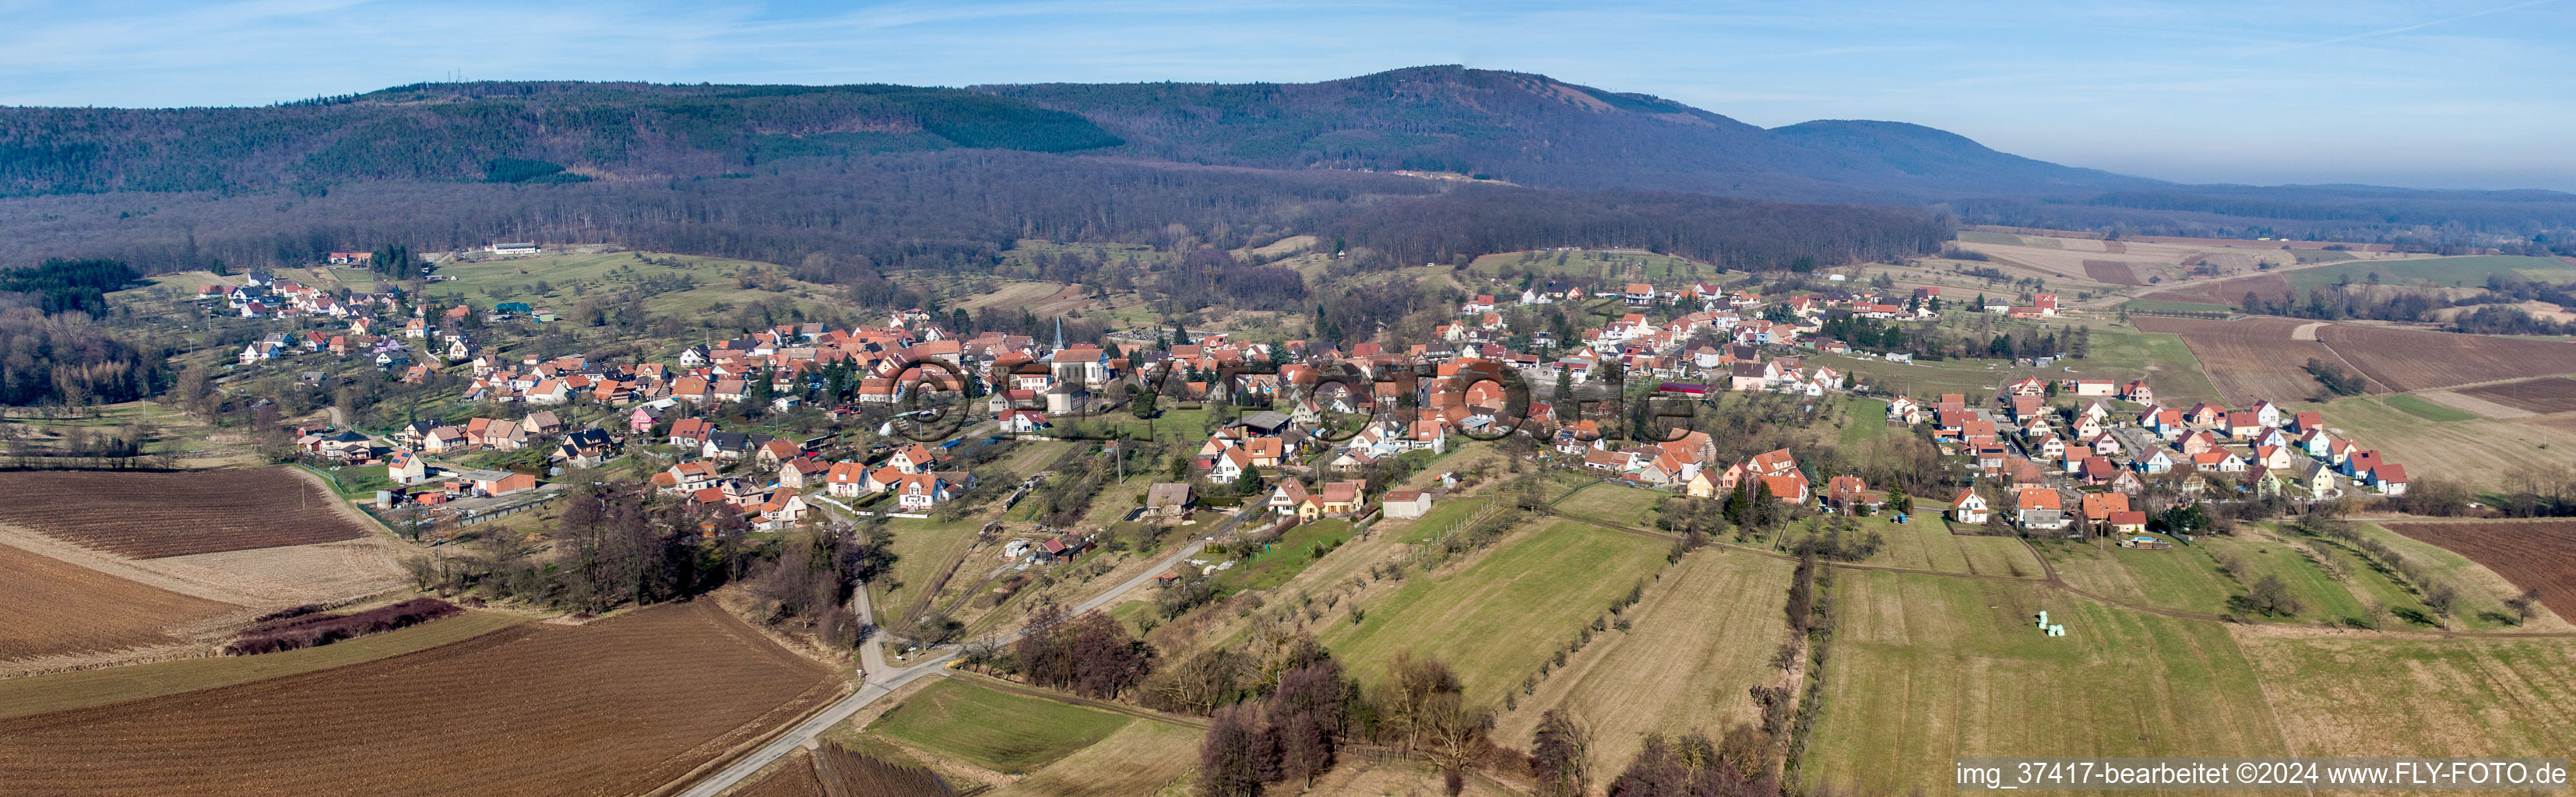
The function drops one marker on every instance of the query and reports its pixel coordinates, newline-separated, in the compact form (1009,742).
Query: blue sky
(2433,94)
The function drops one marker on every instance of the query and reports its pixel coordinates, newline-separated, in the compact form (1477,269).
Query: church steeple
(1059,333)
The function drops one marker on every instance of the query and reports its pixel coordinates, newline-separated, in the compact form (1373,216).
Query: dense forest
(506,132)
(847,220)
(1533,130)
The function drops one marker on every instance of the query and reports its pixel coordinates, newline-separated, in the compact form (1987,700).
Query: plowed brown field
(2543,396)
(621,706)
(2415,359)
(2112,271)
(2251,358)
(56,608)
(2533,554)
(152,515)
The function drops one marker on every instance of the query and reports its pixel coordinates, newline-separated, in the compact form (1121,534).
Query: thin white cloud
(2404,28)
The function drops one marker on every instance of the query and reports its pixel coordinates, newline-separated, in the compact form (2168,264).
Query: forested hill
(508,132)
(1535,130)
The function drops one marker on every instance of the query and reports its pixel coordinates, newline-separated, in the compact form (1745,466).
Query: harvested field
(2229,292)
(2479,450)
(151,515)
(2251,358)
(261,578)
(2540,396)
(58,608)
(2112,271)
(621,706)
(2533,554)
(2363,696)
(2413,359)
(1142,758)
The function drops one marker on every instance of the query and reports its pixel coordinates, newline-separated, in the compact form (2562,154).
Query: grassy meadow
(1001,732)
(1494,621)
(1925,669)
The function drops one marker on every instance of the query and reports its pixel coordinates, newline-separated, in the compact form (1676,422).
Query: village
(1308,422)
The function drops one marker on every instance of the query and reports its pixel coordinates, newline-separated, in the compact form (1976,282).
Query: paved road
(883,680)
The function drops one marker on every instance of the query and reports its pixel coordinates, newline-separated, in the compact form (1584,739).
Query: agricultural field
(930,557)
(2440,272)
(186,513)
(2113,272)
(2542,396)
(2532,554)
(2477,451)
(2414,359)
(835,770)
(2218,295)
(532,709)
(1294,551)
(2169,363)
(1927,544)
(62,691)
(2196,578)
(57,608)
(1005,733)
(1615,504)
(1926,668)
(1143,758)
(1701,637)
(2376,696)
(2412,404)
(1496,619)
(558,282)
(2249,359)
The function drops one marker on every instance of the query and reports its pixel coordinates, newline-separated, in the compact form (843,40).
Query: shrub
(303,628)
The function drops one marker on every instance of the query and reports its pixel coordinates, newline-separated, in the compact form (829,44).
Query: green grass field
(1864,420)
(569,277)
(2418,407)
(1001,732)
(1494,621)
(2191,577)
(1920,379)
(923,549)
(1445,516)
(2168,365)
(63,691)
(1285,559)
(1927,544)
(1925,669)
(2441,272)
(2162,306)
(1616,504)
